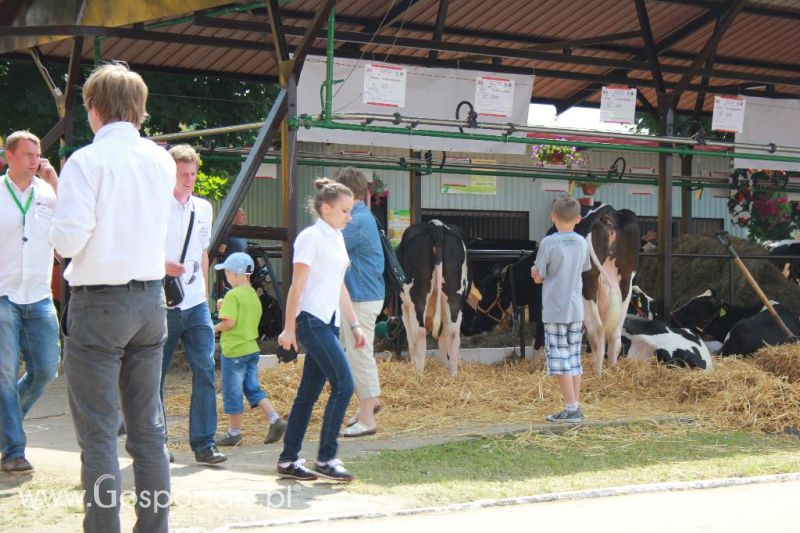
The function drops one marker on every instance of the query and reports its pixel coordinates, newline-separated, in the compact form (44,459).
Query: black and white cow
(697,312)
(760,330)
(613,238)
(672,346)
(711,316)
(505,287)
(434,259)
(790,269)
(642,305)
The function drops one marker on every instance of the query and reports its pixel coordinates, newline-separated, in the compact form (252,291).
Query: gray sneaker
(229,440)
(574,417)
(275,431)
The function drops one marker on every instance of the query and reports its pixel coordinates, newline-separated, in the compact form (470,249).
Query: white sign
(494,97)
(384,85)
(728,114)
(618,105)
(549,185)
(642,190)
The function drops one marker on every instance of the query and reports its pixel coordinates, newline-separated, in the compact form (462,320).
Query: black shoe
(210,456)
(296,470)
(334,470)
(171,457)
(16,465)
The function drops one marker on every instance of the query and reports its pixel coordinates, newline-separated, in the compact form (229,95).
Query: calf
(672,346)
(642,305)
(760,330)
(696,313)
(726,317)
(434,259)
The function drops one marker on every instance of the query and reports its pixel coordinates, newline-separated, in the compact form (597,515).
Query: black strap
(188,234)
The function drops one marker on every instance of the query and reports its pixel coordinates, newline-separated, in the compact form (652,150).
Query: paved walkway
(207,498)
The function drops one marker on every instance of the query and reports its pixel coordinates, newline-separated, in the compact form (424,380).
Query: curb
(622,490)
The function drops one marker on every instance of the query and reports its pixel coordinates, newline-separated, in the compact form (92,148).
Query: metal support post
(665,111)
(686,197)
(416,191)
(288,184)
(329,66)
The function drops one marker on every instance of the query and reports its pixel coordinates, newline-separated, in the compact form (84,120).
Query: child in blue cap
(240,313)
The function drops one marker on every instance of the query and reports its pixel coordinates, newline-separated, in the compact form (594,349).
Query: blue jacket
(364,278)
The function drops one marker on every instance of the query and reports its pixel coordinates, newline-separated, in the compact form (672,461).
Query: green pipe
(329,66)
(309,122)
(97,42)
(486,172)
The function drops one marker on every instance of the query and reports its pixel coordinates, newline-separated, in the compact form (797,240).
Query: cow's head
(642,305)
(697,312)
(720,323)
(489,310)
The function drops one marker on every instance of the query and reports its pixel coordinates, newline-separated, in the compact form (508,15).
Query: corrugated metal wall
(515,194)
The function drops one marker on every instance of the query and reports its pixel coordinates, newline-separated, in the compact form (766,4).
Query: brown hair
(353,179)
(117,93)
(328,191)
(183,153)
(23,135)
(566,208)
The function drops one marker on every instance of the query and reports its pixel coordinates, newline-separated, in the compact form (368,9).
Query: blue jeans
(240,376)
(193,326)
(324,361)
(30,331)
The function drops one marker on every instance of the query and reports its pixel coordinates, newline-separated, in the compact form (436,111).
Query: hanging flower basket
(546,154)
(589,188)
(767,215)
(378,190)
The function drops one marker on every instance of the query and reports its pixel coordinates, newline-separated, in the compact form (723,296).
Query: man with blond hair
(28,322)
(111,219)
(188,237)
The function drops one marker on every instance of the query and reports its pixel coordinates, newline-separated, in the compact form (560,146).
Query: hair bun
(322,182)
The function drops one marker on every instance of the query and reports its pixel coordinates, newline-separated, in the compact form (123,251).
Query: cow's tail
(436,286)
(614,310)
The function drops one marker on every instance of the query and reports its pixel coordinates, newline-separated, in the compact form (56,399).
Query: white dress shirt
(113,208)
(26,266)
(322,248)
(194,293)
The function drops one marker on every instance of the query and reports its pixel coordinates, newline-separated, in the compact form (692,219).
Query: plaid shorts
(562,344)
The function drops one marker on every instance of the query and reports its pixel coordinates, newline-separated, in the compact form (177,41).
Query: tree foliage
(176,103)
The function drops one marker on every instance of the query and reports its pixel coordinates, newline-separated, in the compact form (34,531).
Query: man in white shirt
(190,320)
(111,219)
(28,322)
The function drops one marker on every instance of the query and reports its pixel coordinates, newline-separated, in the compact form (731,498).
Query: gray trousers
(112,357)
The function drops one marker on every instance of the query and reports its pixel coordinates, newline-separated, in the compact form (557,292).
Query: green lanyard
(23,210)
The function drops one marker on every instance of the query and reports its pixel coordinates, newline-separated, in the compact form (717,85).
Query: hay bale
(736,395)
(782,361)
(693,276)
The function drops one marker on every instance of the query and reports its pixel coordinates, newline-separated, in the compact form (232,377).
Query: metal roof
(574,47)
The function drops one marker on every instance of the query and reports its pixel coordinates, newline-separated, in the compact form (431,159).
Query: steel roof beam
(535,39)
(649,44)
(441,15)
(733,9)
(751,9)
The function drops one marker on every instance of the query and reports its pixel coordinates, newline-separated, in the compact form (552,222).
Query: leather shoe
(210,456)
(16,465)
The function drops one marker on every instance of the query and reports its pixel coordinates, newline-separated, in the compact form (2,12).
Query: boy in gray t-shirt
(561,259)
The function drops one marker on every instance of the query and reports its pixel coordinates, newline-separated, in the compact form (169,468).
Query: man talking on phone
(28,322)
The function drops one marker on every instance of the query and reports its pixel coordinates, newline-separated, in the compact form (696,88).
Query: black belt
(134,285)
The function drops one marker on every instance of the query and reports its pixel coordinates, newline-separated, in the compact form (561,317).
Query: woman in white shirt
(317,299)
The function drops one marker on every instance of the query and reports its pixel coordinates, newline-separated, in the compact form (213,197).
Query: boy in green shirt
(240,313)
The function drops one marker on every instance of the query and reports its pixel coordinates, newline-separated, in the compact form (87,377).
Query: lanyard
(23,210)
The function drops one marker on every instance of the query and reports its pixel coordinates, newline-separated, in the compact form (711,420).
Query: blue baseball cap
(238,263)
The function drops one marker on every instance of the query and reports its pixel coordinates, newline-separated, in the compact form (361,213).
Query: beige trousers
(362,360)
